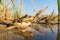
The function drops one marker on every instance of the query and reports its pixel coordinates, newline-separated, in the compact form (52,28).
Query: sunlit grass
(12,25)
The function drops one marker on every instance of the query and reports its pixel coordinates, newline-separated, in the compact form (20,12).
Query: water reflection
(48,35)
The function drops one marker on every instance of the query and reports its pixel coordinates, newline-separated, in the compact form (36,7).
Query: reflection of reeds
(12,25)
(5,35)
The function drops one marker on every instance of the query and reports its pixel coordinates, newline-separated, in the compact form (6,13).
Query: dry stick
(15,8)
(42,10)
(50,17)
(49,20)
(21,6)
(35,10)
(54,17)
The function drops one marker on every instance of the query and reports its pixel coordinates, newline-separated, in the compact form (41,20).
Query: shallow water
(48,35)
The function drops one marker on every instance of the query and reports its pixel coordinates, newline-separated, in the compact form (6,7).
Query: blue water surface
(48,35)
